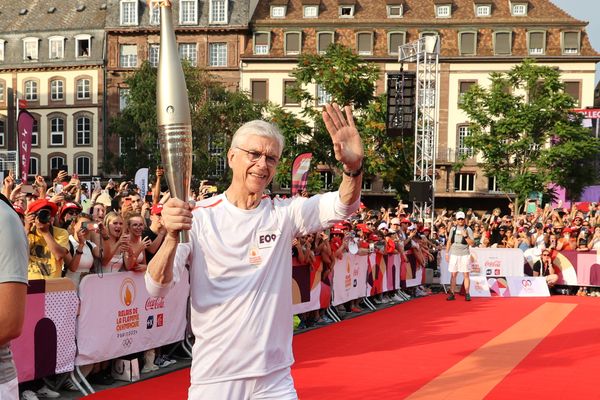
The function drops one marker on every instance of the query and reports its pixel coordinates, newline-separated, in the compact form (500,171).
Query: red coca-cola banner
(24,127)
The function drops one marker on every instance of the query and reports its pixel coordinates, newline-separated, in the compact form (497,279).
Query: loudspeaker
(420,192)
(400,113)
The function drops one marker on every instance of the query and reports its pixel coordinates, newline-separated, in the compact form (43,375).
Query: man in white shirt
(241,264)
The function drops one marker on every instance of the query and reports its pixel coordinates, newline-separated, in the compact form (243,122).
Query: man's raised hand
(347,143)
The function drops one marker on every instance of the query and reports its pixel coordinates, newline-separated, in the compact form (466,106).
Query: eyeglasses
(254,156)
(545,254)
(460,219)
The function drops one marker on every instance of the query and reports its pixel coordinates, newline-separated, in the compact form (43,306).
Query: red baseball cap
(37,205)
(70,206)
(156,209)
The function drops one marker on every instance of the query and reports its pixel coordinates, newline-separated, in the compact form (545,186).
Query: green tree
(348,80)
(216,114)
(525,131)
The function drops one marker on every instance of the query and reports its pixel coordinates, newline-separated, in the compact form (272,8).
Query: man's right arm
(12,304)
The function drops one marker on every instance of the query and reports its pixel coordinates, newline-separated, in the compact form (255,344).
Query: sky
(586,10)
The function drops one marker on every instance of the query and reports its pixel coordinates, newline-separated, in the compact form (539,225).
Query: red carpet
(428,348)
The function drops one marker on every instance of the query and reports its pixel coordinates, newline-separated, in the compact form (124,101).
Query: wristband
(354,174)
(77,251)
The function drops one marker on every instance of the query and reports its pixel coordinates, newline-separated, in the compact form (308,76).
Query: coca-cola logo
(493,263)
(154,303)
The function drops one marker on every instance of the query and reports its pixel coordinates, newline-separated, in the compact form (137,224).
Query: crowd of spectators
(74,230)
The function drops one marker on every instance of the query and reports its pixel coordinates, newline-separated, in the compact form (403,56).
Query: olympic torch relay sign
(118,316)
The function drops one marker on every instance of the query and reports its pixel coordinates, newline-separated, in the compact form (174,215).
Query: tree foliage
(348,80)
(528,137)
(216,114)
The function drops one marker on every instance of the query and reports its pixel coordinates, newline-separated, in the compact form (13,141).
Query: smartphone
(18,181)
(149,198)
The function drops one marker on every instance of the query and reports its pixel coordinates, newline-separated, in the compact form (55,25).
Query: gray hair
(258,128)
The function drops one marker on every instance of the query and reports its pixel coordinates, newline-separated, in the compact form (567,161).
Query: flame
(128,297)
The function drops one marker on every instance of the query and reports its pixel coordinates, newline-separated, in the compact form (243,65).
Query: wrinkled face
(253,163)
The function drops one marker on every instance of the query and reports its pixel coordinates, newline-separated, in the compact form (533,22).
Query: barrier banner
(488,262)
(349,278)
(118,317)
(498,286)
(392,272)
(306,286)
(479,286)
(375,273)
(418,278)
(577,268)
(527,286)
(47,342)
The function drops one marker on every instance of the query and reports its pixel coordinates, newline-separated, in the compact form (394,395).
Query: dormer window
(56,46)
(483,10)
(218,11)
(129,12)
(2,41)
(310,11)
(83,45)
(261,42)
(443,10)
(188,12)
(30,49)
(346,11)
(537,42)
(155,16)
(394,10)
(518,9)
(278,11)
(570,42)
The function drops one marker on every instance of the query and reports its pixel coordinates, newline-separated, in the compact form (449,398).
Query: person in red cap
(48,245)
(567,241)
(67,214)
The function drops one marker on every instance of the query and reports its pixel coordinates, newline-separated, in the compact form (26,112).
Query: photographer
(48,245)
(82,251)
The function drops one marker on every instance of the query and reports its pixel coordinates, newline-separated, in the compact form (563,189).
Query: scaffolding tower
(425,53)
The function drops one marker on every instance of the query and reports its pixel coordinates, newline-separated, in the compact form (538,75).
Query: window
(468,43)
(123,98)
(324,40)
(57,90)
(216,149)
(83,131)
(261,42)
(346,11)
(34,165)
(278,11)
(395,40)
(483,10)
(218,12)
(187,51)
(443,11)
(293,43)
(30,49)
(464,182)
(57,162)
(394,11)
(438,43)
(83,89)
(35,132)
(2,86)
(129,12)
(128,56)
(2,41)
(367,185)
(310,11)
(259,91)
(463,87)
(322,96)
(570,42)
(573,89)
(364,43)
(217,54)
(83,165)
(519,10)
(327,179)
(288,100)
(493,184)
(56,45)
(155,16)
(502,43)
(463,149)
(153,54)
(57,131)
(83,45)
(188,12)
(537,42)
(2,132)
(31,91)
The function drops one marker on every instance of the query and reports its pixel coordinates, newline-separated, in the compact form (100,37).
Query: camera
(43,216)
(90,226)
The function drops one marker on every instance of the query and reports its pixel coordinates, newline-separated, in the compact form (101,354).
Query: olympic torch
(173,113)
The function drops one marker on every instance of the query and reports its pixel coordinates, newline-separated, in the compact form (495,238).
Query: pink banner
(300,169)
(24,127)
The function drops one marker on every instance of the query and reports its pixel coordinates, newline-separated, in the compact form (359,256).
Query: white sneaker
(405,295)
(397,298)
(376,300)
(46,392)
(149,367)
(29,395)
(384,300)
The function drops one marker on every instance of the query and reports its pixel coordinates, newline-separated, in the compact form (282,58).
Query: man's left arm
(348,149)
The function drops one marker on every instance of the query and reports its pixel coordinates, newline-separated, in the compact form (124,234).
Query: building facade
(52,56)
(475,37)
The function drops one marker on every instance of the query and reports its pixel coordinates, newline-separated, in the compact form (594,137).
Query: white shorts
(9,390)
(459,263)
(278,385)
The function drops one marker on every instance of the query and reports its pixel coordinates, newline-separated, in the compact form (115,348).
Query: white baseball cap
(460,215)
